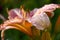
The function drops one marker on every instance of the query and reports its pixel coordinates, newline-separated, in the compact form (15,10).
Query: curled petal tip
(58,5)
(2,17)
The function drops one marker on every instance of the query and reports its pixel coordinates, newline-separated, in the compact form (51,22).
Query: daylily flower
(23,21)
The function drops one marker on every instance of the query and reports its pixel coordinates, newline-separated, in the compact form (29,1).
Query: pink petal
(14,13)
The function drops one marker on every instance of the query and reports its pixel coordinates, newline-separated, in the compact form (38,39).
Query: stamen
(24,14)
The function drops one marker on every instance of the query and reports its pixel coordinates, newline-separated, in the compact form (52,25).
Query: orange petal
(24,29)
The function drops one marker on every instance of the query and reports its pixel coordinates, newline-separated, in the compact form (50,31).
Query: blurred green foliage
(28,4)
